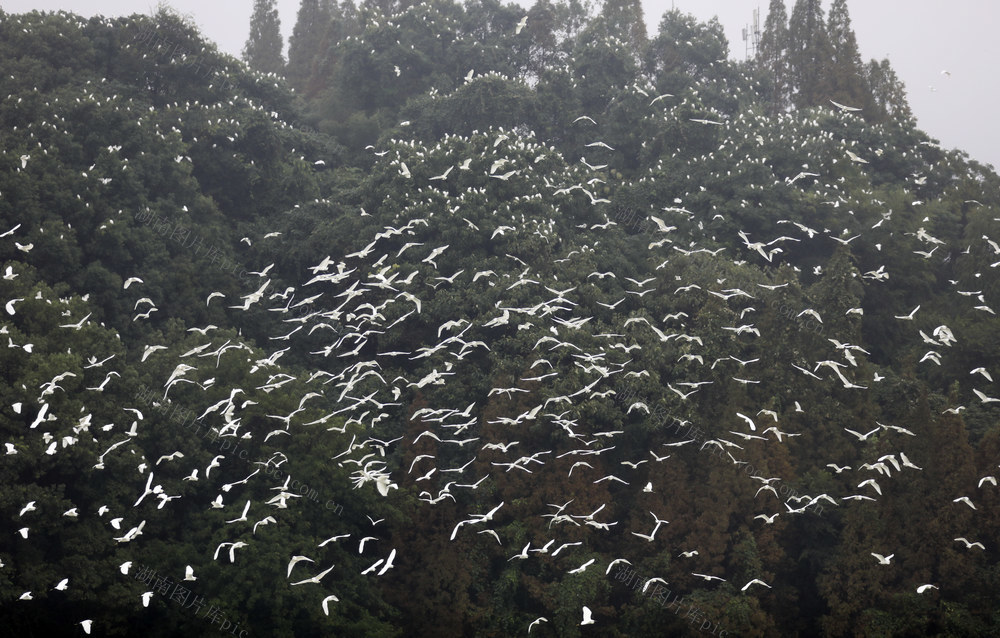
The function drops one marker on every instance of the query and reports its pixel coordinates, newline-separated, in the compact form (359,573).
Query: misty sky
(920,38)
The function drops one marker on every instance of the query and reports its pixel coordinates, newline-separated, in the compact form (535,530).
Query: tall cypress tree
(772,57)
(262,51)
(311,26)
(888,93)
(846,74)
(808,53)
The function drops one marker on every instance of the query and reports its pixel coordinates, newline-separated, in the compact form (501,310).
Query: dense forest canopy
(461,319)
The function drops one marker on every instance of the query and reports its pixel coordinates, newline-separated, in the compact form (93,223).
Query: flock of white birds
(582,350)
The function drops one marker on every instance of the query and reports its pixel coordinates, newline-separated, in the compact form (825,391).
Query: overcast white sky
(921,38)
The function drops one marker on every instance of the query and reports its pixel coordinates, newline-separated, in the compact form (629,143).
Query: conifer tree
(262,51)
(808,53)
(772,56)
(304,46)
(888,93)
(846,74)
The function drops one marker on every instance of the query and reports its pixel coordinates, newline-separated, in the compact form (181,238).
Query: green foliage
(534,155)
(772,58)
(809,53)
(262,51)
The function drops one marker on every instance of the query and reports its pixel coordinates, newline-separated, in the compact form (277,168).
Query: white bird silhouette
(582,568)
(373,567)
(651,581)
(534,622)
(883,560)
(854,157)
(523,555)
(755,581)
(964,499)
(361,545)
(753,427)
(873,484)
(326,610)
(315,579)
(388,563)
(968,544)
(984,398)
(243,517)
(862,437)
(845,108)
(907,462)
(983,372)
(295,561)
(79,324)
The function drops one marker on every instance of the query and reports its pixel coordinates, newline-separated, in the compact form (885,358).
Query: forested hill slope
(488,320)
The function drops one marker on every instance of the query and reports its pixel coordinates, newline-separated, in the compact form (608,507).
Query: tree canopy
(472,315)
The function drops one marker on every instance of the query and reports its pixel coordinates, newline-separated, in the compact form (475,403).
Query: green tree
(262,51)
(541,29)
(846,74)
(305,45)
(888,93)
(809,53)
(685,51)
(772,57)
(623,18)
(572,17)
(603,67)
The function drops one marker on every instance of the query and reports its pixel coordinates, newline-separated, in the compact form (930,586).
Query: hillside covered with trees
(462,319)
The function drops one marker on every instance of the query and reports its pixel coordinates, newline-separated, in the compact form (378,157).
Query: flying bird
(883,560)
(708,578)
(536,621)
(845,108)
(326,610)
(315,579)
(968,544)
(964,499)
(755,581)
(582,568)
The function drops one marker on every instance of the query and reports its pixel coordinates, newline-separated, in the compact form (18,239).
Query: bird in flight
(883,560)
(315,579)
(755,581)
(844,108)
